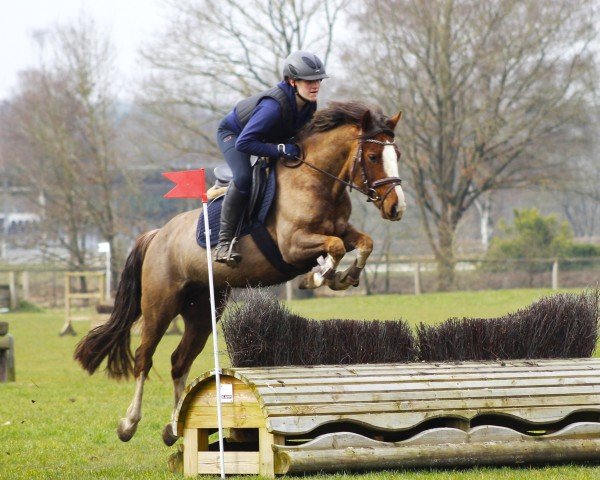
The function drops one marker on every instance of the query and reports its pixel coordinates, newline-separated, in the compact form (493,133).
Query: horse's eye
(373,157)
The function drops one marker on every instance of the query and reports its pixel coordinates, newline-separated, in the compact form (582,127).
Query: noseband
(368,187)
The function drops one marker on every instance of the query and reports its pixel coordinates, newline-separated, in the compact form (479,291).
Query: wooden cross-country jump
(357,417)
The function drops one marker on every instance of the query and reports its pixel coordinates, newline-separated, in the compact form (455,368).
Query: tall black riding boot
(231,213)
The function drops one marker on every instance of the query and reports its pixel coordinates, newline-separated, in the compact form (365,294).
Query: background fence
(45,287)
(419,275)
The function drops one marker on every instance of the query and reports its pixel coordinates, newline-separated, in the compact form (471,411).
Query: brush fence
(356,417)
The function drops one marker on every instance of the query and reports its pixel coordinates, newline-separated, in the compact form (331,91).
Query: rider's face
(308,89)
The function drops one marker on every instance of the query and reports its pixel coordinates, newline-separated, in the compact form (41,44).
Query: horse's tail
(112,339)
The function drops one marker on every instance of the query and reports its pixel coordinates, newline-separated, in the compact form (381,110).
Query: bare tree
(215,53)
(487,89)
(59,132)
(580,199)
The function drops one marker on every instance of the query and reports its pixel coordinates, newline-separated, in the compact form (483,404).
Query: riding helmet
(302,65)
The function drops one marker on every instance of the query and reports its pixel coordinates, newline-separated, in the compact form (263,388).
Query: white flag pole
(215,340)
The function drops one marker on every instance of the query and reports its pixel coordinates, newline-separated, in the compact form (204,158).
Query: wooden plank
(500,405)
(326,371)
(78,318)
(85,273)
(90,295)
(433,364)
(233,415)
(417,373)
(316,397)
(400,420)
(269,395)
(429,379)
(420,377)
(236,463)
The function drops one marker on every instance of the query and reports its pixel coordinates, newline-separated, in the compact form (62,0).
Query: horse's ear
(366,122)
(395,119)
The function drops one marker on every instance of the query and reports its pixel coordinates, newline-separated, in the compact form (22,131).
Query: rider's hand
(289,151)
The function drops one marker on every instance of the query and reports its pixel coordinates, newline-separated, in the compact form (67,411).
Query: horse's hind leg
(156,318)
(196,313)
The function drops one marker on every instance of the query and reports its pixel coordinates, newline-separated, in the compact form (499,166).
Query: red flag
(188,184)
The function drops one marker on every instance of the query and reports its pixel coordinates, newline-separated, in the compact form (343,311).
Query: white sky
(129,23)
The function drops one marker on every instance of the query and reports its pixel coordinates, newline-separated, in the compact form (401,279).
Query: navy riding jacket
(264,130)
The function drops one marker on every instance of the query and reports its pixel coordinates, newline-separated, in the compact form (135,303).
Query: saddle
(253,220)
(260,172)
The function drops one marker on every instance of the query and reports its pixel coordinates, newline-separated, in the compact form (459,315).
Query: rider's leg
(231,213)
(236,198)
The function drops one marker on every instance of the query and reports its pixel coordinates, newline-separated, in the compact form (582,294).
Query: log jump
(377,416)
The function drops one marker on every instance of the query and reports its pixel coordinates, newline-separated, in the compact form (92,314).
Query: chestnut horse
(346,146)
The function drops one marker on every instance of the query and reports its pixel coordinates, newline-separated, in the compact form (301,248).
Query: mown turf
(58,422)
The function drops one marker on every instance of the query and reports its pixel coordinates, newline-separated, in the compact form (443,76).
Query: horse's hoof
(126,430)
(343,281)
(168,436)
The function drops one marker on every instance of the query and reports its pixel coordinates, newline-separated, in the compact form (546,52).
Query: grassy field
(58,422)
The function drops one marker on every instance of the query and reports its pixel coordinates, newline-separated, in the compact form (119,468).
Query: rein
(369,191)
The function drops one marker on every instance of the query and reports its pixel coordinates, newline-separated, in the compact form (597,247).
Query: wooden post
(555,275)
(12,282)
(417,278)
(190,450)
(25,285)
(67,327)
(288,290)
(387,273)
(54,289)
(7,358)
(266,440)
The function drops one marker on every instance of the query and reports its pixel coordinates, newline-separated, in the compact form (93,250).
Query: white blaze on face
(390,166)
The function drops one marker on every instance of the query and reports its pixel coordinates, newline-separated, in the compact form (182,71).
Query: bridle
(368,187)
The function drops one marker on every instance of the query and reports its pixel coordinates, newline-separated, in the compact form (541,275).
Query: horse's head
(375,168)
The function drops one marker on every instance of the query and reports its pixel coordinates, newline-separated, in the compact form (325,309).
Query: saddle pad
(214,214)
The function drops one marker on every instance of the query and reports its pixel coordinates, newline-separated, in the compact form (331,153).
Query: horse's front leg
(363,244)
(309,245)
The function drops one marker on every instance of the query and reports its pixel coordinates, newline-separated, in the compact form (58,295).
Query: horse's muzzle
(396,212)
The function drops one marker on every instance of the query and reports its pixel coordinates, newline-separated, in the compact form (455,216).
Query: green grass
(58,422)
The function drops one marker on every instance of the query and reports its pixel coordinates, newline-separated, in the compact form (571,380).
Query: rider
(263,125)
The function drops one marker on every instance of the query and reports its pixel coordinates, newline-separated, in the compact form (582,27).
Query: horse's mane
(337,114)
